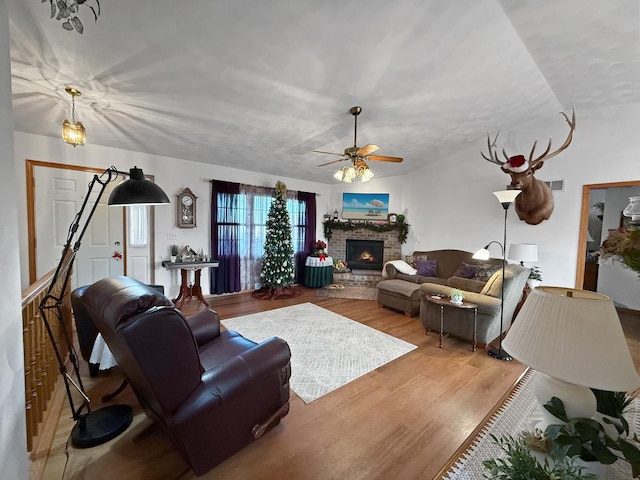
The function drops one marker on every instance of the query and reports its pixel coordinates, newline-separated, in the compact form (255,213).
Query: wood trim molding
(31,205)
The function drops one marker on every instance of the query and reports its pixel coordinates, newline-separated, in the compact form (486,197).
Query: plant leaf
(632,454)
(67,25)
(77,24)
(602,453)
(555,407)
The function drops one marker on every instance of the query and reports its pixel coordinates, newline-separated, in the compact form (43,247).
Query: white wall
(449,203)
(13,437)
(173,175)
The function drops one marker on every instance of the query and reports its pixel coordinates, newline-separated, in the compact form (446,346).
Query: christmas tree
(278,273)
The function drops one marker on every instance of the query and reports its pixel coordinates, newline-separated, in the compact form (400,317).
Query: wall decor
(186,209)
(392,218)
(535,204)
(365,206)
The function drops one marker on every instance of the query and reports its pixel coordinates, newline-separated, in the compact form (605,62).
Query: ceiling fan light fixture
(366,175)
(73,132)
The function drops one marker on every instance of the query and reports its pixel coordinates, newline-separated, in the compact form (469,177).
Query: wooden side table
(186,290)
(446,302)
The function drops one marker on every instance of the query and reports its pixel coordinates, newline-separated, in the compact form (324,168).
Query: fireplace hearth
(365,254)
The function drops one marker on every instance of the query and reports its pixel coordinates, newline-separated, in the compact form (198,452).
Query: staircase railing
(41,371)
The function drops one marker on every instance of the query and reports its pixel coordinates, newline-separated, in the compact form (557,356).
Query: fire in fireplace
(365,254)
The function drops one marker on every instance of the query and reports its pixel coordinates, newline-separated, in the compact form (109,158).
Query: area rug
(358,293)
(327,349)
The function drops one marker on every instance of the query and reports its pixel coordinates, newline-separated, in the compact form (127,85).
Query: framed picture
(365,206)
(392,218)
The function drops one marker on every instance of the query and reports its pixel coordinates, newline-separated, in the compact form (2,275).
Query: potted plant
(456,295)
(520,463)
(597,441)
(174,253)
(535,277)
(318,248)
(340,266)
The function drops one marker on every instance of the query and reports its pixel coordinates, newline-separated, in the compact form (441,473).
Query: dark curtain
(226,229)
(309,234)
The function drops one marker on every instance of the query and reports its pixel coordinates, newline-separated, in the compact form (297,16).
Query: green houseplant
(535,277)
(457,296)
(603,439)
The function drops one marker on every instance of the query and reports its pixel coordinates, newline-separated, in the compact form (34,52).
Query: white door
(59,194)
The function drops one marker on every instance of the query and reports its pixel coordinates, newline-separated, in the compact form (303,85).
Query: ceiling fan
(357,156)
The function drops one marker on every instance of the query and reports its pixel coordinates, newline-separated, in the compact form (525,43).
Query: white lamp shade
(507,196)
(482,254)
(575,336)
(524,252)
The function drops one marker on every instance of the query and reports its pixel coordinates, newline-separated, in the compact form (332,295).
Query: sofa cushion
(401,288)
(427,268)
(484,271)
(467,284)
(465,270)
(493,287)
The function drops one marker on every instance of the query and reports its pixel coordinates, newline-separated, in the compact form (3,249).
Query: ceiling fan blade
(384,158)
(328,153)
(367,149)
(330,163)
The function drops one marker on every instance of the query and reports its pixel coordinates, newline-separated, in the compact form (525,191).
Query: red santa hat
(517,164)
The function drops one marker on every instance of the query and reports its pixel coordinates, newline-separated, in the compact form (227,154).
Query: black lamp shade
(137,191)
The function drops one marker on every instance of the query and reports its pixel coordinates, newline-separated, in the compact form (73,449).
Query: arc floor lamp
(93,427)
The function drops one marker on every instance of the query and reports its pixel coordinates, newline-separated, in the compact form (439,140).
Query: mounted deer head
(535,203)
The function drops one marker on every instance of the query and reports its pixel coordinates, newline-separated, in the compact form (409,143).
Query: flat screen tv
(365,206)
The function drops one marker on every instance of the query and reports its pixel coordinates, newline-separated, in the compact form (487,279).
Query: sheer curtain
(239,214)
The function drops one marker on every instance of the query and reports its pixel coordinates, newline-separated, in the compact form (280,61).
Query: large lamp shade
(574,336)
(137,190)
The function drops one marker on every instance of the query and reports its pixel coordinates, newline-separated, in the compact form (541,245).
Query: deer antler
(546,155)
(492,151)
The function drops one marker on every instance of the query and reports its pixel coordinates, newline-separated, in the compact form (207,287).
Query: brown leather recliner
(213,392)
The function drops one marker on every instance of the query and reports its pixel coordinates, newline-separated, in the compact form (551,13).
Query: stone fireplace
(364,254)
(337,246)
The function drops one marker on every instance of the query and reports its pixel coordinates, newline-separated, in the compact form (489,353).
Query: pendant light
(73,132)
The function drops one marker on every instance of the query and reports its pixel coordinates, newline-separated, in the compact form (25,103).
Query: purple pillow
(465,270)
(427,268)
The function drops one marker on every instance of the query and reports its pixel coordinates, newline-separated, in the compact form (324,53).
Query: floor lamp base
(499,354)
(101,425)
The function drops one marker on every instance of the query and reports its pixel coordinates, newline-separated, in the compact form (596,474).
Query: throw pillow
(484,271)
(427,268)
(410,259)
(465,270)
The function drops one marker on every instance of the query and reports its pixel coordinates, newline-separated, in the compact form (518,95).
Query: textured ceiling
(259,85)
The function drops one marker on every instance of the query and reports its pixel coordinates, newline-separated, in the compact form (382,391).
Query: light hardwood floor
(401,421)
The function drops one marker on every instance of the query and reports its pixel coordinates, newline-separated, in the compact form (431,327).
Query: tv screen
(365,206)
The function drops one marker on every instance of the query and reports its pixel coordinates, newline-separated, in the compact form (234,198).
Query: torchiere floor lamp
(506,198)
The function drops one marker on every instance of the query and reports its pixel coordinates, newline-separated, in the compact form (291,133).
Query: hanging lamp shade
(137,190)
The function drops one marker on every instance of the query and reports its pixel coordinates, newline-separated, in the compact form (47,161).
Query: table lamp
(524,252)
(575,339)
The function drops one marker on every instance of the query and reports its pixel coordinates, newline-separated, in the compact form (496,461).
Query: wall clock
(186,213)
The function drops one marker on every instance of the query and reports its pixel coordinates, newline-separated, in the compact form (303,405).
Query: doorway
(597,216)
(54,195)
